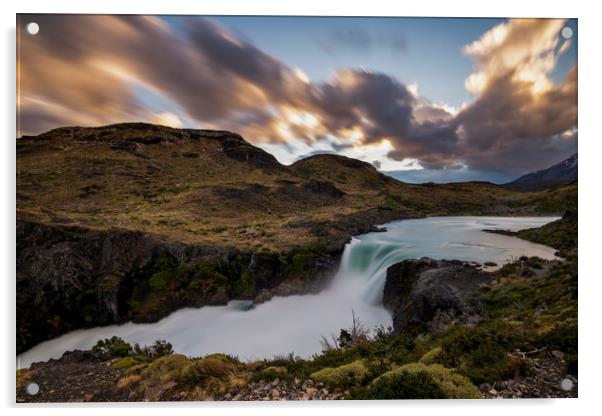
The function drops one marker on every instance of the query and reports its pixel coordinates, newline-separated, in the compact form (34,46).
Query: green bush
(346,375)
(117,347)
(114,346)
(124,363)
(401,385)
(245,285)
(271,373)
(452,384)
(334,358)
(562,337)
(481,352)
(211,367)
(419,381)
(164,369)
(159,280)
(159,349)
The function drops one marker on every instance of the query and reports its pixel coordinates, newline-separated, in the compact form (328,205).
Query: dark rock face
(235,147)
(428,295)
(70,277)
(324,188)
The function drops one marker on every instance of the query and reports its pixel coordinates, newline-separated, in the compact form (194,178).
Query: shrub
(271,373)
(114,346)
(159,280)
(346,375)
(211,367)
(401,385)
(124,363)
(334,358)
(159,349)
(481,352)
(562,337)
(88,190)
(164,369)
(117,347)
(451,384)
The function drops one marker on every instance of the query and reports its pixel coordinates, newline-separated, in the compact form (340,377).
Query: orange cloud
(520,114)
(88,70)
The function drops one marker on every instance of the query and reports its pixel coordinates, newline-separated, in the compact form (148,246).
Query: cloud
(85,70)
(524,48)
(167,119)
(519,115)
(91,65)
(377,103)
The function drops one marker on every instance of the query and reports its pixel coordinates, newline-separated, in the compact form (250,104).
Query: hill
(560,174)
(200,186)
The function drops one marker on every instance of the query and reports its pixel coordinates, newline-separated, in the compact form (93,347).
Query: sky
(422,99)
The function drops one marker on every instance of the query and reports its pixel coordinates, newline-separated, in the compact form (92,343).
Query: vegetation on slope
(529,319)
(560,234)
(200,186)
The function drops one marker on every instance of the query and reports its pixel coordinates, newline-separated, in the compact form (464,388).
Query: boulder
(428,295)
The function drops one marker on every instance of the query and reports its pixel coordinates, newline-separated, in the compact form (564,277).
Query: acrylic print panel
(295,208)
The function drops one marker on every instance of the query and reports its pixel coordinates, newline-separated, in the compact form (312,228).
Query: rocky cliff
(70,277)
(430,295)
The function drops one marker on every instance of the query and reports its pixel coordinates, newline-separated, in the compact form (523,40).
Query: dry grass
(143,177)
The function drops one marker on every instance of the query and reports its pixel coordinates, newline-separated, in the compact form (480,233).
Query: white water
(296,323)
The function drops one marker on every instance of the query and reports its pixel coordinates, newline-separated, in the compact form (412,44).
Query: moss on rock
(431,356)
(451,384)
(346,375)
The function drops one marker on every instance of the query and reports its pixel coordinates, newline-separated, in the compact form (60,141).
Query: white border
(590,153)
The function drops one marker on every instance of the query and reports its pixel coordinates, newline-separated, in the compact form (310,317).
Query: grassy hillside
(561,234)
(211,187)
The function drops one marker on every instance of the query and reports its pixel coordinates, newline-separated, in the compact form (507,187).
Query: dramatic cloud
(91,70)
(90,67)
(520,116)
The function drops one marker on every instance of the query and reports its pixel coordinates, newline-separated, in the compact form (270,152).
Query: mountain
(560,174)
(133,221)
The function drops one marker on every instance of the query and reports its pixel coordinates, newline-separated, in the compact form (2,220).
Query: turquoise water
(297,323)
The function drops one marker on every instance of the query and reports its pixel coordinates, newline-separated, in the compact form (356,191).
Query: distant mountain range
(560,174)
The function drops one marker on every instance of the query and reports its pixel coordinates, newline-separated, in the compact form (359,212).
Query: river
(295,324)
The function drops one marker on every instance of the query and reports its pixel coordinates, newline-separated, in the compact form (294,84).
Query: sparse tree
(347,337)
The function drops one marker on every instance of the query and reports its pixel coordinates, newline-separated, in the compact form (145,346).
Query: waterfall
(297,323)
(368,261)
